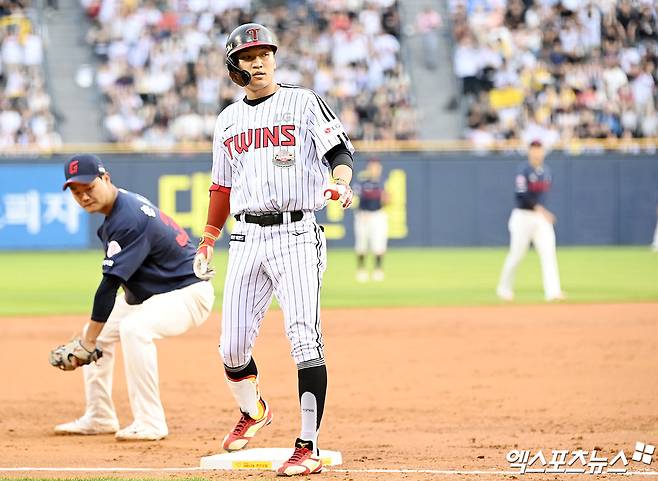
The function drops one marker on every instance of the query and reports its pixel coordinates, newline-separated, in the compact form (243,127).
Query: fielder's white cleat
(138,432)
(362,275)
(87,426)
(505,294)
(557,298)
(378,275)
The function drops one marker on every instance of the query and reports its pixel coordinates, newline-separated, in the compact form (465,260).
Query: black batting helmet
(245,36)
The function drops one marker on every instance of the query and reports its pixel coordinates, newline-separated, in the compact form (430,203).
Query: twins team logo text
(279,135)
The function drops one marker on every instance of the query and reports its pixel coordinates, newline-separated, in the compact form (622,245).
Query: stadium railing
(574,147)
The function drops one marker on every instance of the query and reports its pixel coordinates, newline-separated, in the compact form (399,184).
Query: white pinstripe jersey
(271,154)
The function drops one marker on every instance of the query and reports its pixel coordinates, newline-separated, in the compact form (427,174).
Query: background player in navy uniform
(274,153)
(532,222)
(370,221)
(150,257)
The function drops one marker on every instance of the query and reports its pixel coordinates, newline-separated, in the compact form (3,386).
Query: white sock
(309,408)
(246,394)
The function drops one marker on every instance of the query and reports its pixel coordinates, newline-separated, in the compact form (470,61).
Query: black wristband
(339,155)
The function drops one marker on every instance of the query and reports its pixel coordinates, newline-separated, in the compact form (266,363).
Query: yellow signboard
(196,186)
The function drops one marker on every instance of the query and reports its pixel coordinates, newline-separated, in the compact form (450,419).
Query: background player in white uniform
(654,244)
(150,257)
(532,222)
(370,221)
(273,155)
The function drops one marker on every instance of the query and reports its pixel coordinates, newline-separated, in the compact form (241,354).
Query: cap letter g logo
(73,167)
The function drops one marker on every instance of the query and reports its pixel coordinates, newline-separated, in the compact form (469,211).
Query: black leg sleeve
(314,380)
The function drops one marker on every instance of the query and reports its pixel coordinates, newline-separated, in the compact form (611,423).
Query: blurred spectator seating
(163,77)
(25,116)
(565,70)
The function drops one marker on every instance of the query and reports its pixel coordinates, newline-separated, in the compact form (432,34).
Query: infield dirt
(439,388)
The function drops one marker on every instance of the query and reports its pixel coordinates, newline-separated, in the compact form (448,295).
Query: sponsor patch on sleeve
(333,126)
(113,248)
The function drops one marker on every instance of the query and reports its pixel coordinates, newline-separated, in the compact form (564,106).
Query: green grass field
(44,283)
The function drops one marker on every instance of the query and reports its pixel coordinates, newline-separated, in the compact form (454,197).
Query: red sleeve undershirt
(219,206)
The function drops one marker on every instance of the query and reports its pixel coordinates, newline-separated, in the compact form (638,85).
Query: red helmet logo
(73,167)
(254,34)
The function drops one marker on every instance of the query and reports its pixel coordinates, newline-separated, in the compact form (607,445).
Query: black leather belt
(272,218)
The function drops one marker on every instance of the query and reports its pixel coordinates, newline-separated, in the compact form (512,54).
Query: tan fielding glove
(73,354)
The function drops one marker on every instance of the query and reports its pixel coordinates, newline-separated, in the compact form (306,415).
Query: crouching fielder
(150,257)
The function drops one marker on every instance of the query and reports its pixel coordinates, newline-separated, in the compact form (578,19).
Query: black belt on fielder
(271,218)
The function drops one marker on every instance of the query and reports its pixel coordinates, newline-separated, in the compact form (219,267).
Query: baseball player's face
(375,170)
(536,155)
(94,197)
(260,63)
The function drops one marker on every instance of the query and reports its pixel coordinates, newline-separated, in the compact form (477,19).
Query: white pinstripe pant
(287,260)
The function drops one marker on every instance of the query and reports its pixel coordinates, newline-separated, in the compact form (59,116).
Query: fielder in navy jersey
(532,222)
(275,153)
(370,221)
(151,258)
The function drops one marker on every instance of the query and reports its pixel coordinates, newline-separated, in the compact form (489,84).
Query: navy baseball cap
(83,169)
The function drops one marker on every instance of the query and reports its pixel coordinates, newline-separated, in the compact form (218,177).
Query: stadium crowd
(162,68)
(556,69)
(25,106)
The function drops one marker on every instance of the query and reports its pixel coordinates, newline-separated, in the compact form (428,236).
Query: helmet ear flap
(239,76)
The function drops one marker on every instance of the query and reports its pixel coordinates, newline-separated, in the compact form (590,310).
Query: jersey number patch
(182,238)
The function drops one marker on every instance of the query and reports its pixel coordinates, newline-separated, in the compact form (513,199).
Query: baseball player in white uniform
(151,258)
(532,222)
(274,154)
(654,244)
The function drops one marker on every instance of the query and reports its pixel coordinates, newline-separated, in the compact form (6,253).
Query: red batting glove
(202,268)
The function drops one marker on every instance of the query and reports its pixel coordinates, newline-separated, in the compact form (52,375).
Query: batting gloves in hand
(202,268)
(341,192)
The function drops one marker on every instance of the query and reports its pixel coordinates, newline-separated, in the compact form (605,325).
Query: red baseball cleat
(302,462)
(246,429)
